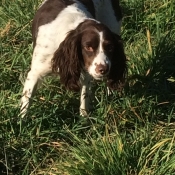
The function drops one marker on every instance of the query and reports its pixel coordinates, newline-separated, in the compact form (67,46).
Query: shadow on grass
(159,81)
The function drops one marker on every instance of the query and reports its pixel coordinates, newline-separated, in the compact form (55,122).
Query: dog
(79,40)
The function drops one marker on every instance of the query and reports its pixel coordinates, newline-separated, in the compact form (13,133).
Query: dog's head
(92,48)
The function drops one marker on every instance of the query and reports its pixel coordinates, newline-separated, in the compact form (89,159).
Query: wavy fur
(67,59)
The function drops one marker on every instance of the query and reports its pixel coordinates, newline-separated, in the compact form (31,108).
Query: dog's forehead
(107,35)
(90,35)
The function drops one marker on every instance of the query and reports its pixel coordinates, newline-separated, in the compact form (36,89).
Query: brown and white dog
(79,40)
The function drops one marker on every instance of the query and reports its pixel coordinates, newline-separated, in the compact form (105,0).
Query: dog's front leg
(86,92)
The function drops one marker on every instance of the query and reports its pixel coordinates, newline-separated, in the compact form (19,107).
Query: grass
(130,133)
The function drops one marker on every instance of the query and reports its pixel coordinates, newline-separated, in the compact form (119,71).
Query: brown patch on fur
(47,13)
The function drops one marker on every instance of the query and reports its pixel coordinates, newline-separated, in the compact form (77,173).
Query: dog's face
(93,48)
(98,51)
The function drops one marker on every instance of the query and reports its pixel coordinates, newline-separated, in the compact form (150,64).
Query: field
(129,133)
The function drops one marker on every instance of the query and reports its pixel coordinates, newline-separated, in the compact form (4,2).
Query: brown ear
(118,69)
(67,61)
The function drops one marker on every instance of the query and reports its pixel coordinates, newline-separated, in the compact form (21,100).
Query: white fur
(101,58)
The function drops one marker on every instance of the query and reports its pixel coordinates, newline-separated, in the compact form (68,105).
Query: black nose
(102,69)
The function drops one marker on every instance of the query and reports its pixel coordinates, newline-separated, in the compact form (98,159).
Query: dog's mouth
(100,77)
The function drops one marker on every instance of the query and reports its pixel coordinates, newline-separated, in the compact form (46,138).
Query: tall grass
(128,133)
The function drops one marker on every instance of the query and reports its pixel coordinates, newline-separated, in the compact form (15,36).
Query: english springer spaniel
(78,40)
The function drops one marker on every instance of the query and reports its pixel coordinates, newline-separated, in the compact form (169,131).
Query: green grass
(129,133)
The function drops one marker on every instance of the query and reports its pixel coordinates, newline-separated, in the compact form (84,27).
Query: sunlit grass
(128,133)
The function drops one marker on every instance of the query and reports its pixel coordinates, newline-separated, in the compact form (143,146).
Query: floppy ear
(67,61)
(118,69)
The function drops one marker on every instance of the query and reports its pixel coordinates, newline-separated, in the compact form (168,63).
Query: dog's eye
(88,48)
